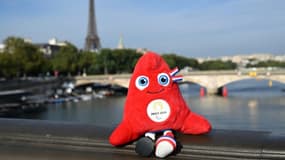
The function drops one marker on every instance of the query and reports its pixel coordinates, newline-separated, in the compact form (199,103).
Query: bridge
(211,80)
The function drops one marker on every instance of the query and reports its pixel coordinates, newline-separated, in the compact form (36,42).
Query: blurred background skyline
(204,28)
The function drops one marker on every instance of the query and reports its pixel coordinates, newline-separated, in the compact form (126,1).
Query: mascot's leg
(122,135)
(195,124)
(165,145)
(145,145)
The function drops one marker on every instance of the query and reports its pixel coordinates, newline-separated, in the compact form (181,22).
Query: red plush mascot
(154,105)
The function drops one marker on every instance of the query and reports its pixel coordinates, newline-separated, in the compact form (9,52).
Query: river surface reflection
(250,105)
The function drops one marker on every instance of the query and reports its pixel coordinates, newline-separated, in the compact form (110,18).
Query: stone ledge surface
(42,139)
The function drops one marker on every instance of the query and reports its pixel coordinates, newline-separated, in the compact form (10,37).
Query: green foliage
(7,65)
(125,60)
(86,62)
(269,63)
(217,65)
(20,58)
(65,61)
(13,44)
(174,60)
(106,61)
(117,61)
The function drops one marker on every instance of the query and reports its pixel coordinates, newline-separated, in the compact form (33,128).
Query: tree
(65,61)
(110,61)
(269,63)
(7,64)
(87,62)
(217,65)
(25,58)
(174,60)
(125,60)
(106,61)
(33,60)
(12,44)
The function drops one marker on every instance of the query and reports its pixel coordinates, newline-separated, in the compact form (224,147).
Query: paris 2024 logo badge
(158,110)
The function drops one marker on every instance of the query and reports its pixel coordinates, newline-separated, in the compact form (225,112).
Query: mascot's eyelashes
(142,82)
(163,79)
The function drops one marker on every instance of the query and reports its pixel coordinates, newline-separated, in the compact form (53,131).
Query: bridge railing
(209,72)
(109,76)
(235,72)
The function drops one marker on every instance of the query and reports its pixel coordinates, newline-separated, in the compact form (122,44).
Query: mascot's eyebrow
(173,73)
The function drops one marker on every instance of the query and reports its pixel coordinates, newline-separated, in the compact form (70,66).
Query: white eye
(163,79)
(142,82)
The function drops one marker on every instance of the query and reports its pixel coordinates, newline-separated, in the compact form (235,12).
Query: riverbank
(26,95)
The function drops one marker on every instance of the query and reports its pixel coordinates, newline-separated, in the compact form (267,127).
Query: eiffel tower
(92,41)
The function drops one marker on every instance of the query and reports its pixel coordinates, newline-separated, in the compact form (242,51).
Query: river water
(250,105)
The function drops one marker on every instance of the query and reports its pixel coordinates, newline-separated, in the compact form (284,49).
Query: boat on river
(68,92)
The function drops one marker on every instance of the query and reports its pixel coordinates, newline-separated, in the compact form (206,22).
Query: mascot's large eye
(163,79)
(142,82)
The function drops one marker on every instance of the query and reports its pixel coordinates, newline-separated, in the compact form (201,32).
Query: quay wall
(33,85)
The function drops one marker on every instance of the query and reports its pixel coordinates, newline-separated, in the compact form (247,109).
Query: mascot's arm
(195,124)
(122,135)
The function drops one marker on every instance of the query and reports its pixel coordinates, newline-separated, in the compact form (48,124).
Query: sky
(193,28)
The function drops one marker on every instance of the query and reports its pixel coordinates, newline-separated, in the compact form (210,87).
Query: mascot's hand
(121,135)
(195,124)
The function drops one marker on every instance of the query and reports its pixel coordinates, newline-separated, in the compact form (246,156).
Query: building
(142,50)
(244,60)
(121,43)
(2,47)
(92,41)
(55,42)
(279,58)
(51,47)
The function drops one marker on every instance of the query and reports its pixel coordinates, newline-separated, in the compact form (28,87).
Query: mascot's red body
(154,103)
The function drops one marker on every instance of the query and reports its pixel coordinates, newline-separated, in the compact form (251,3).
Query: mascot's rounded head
(152,75)
(150,62)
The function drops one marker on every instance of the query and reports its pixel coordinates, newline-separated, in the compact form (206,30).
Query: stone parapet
(35,139)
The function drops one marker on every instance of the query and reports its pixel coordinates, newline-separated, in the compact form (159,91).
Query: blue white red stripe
(174,71)
(168,133)
(177,78)
(166,139)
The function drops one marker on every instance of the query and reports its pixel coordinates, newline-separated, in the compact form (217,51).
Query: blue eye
(163,79)
(142,82)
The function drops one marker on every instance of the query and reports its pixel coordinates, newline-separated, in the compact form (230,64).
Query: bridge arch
(277,79)
(213,83)
(211,80)
(122,81)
